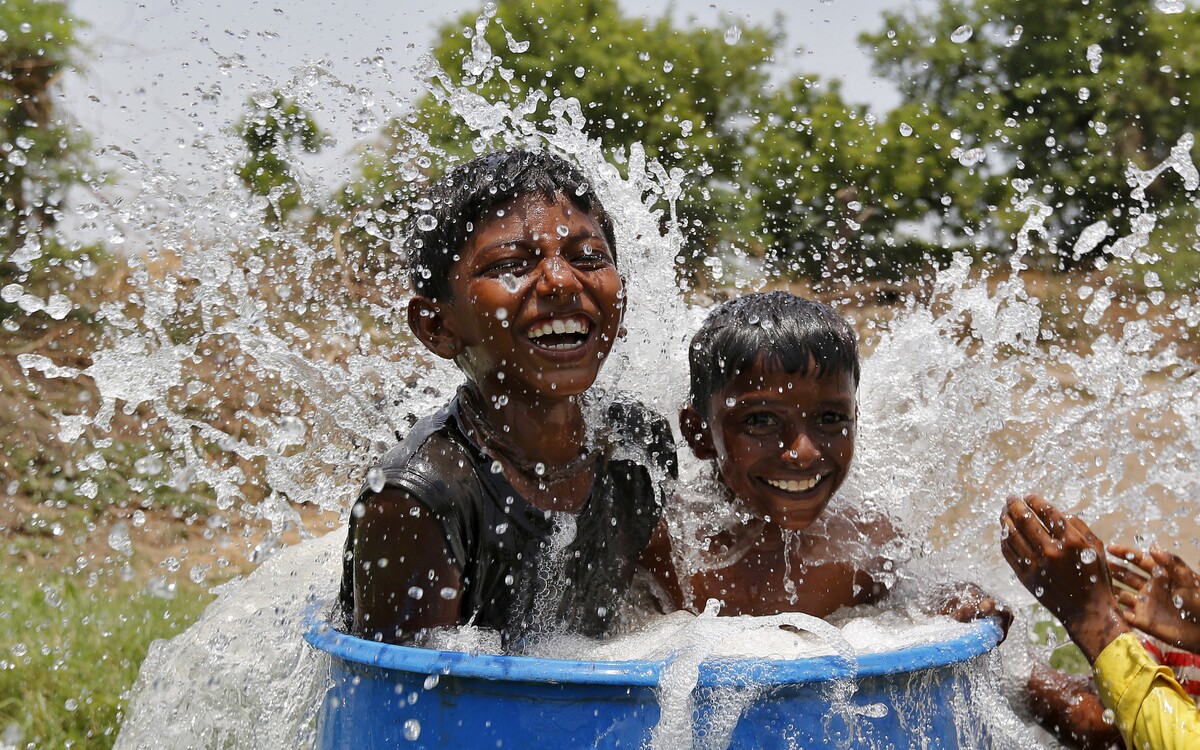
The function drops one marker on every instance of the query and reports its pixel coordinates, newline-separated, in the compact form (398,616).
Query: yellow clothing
(1152,711)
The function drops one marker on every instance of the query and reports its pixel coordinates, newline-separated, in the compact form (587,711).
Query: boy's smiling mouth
(795,485)
(560,334)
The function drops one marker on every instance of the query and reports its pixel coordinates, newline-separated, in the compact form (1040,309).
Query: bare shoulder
(870,526)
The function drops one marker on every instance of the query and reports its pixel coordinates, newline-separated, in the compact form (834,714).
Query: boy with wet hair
(773,406)
(524,504)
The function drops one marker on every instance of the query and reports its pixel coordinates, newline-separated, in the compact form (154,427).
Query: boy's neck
(541,428)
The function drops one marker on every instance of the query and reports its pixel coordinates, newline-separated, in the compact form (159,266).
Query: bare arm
(402,570)
(656,559)
(1164,600)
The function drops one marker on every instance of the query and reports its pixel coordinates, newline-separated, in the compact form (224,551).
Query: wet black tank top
(525,570)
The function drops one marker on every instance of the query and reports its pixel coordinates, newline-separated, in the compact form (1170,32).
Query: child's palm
(1165,596)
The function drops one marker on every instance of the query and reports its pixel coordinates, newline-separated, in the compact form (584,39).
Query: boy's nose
(800,450)
(556,277)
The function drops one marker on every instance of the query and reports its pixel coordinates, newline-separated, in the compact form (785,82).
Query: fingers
(1017,552)
(1084,531)
(1174,565)
(1134,578)
(1126,599)
(1132,555)
(1026,516)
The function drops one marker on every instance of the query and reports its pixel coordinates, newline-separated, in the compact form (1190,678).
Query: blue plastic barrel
(385,696)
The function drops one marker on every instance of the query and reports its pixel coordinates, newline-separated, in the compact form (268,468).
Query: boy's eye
(833,418)
(503,266)
(760,421)
(592,255)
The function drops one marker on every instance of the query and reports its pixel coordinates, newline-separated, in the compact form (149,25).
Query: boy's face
(783,443)
(536,299)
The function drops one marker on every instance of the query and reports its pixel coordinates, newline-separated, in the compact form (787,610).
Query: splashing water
(248,348)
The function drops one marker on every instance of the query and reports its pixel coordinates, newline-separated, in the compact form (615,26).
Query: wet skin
(529,263)
(783,442)
(535,306)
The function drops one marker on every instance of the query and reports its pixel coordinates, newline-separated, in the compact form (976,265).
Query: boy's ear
(429,324)
(697,433)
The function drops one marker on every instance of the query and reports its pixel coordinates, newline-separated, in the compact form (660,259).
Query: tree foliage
(1058,97)
(683,92)
(39,153)
(272,126)
(830,182)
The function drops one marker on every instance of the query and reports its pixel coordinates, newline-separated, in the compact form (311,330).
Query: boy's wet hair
(779,328)
(464,195)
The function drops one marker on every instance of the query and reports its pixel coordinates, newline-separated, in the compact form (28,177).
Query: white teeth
(559,325)
(792,485)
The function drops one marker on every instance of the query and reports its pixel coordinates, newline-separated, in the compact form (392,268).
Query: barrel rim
(976,639)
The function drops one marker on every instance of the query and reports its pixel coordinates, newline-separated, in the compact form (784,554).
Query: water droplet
(412,730)
(118,538)
(733,34)
(265,99)
(1087,556)
(501,313)
(562,230)
(376,479)
(1094,56)
(148,465)
(448,593)
(508,579)
(17,158)
(1177,600)
(510,283)
(1109,716)
(501,528)
(580,71)
(962,34)
(730,402)
(497,467)
(905,129)
(426,223)
(539,468)
(431,681)
(416,592)
(972,156)
(1100,128)
(1170,6)
(668,66)
(198,573)
(293,427)
(161,588)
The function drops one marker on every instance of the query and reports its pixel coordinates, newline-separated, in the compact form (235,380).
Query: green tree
(40,155)
(1057,97)
(685,92)
(274,124)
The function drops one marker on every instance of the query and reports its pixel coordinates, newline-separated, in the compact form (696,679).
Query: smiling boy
(773,406)
(508,509)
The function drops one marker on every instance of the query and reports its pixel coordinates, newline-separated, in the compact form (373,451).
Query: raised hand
(1165,596)
(1061,562)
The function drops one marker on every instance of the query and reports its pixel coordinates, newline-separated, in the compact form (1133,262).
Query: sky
(164,75)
